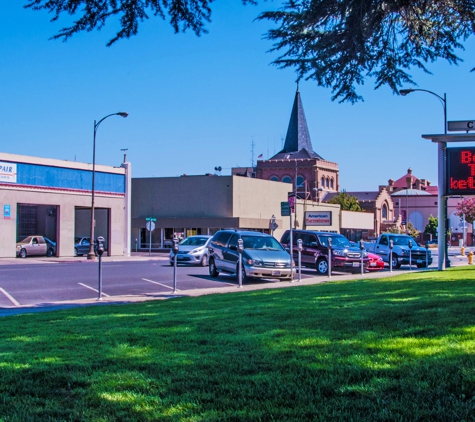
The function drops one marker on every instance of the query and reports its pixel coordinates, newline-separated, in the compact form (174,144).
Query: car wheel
(395,261)
(322,266)
(23,253)
(50,252)
(213,271)
(204,261)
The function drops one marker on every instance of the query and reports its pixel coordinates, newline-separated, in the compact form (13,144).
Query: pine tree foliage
(93,14)
(339,43)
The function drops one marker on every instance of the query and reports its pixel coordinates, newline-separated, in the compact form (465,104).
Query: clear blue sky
(196,103)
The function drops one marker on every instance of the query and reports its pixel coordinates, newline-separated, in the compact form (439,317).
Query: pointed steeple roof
(297,142)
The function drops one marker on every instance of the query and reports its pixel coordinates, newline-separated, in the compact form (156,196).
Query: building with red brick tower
(309,174)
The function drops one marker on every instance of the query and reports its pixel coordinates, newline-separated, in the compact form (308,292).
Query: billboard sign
(318,218)
(460,171)
(7,172)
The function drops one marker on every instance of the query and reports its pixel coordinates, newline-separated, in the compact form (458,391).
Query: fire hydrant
(462,250)
(470,258)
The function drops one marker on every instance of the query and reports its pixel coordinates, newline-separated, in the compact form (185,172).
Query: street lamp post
(91,255)
(441,201)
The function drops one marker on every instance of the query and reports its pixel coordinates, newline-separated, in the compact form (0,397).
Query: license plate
(275,272)
(372,264)
(356,264)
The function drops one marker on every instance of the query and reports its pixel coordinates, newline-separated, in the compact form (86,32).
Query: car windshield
(338,241)
(261,242)
(194,241)
(402,240)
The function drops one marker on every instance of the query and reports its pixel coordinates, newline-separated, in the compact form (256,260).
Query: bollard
(470,258)
(462,250)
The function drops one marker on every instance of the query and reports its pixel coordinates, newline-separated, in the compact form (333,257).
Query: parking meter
(175,250)
(100,251)
(240,248)
(362,249)
(299,249)
(329,257)
(427,254)
(100,245)
(410,254)
(136,243)
(391,246)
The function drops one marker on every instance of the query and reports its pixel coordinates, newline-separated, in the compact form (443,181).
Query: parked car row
(42,246)
(35,246)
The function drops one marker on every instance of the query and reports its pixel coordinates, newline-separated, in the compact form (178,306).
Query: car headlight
(365,254)
(405,252)
(338,252)
(197,250)
(254,262)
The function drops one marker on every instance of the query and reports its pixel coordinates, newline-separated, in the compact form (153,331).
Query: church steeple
(297,140)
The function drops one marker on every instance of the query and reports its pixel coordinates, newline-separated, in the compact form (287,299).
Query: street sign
(150,226)
(151,219)
(461,126)
(284,209)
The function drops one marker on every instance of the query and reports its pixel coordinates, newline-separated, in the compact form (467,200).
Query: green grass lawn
(394,349)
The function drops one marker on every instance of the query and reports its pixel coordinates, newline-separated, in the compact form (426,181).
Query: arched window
(287,179)
(300,181)
(331,183)
(274,178)
(328,182)
(322,182)
(384,211)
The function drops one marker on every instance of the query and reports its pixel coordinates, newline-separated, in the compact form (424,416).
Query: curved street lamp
(91,255)
(441,200)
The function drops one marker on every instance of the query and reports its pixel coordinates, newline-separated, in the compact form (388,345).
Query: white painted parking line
(9,297)
(89,287)
(160,284)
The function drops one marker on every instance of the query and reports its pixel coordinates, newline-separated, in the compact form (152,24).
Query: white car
(193,250)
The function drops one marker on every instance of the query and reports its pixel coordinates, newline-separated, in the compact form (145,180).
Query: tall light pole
(442,207)
(91,254)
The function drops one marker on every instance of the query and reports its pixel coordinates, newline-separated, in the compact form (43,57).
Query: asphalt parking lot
(191,281)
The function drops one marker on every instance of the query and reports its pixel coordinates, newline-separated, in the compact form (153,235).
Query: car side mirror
(233,247)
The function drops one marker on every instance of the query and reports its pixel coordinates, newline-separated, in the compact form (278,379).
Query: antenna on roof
(125,155)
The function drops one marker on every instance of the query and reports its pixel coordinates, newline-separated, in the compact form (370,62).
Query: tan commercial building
(52,198)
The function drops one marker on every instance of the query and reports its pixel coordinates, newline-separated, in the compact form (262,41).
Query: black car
(345,257)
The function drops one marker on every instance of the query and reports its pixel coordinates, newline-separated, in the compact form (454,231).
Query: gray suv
(263,256)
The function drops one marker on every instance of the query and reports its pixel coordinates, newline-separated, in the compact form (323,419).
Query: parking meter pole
(299,248)
(427,254)
(100,250)
(150,244)
(391,245)
(240,248)
(175,249)
(100,278)
(362,249)
(136,242)
(329,257)
(410,255)
(291,250)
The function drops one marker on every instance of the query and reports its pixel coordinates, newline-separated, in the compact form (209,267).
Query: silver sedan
(193,250)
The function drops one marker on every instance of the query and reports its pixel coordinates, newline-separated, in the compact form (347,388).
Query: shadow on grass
(374,349)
